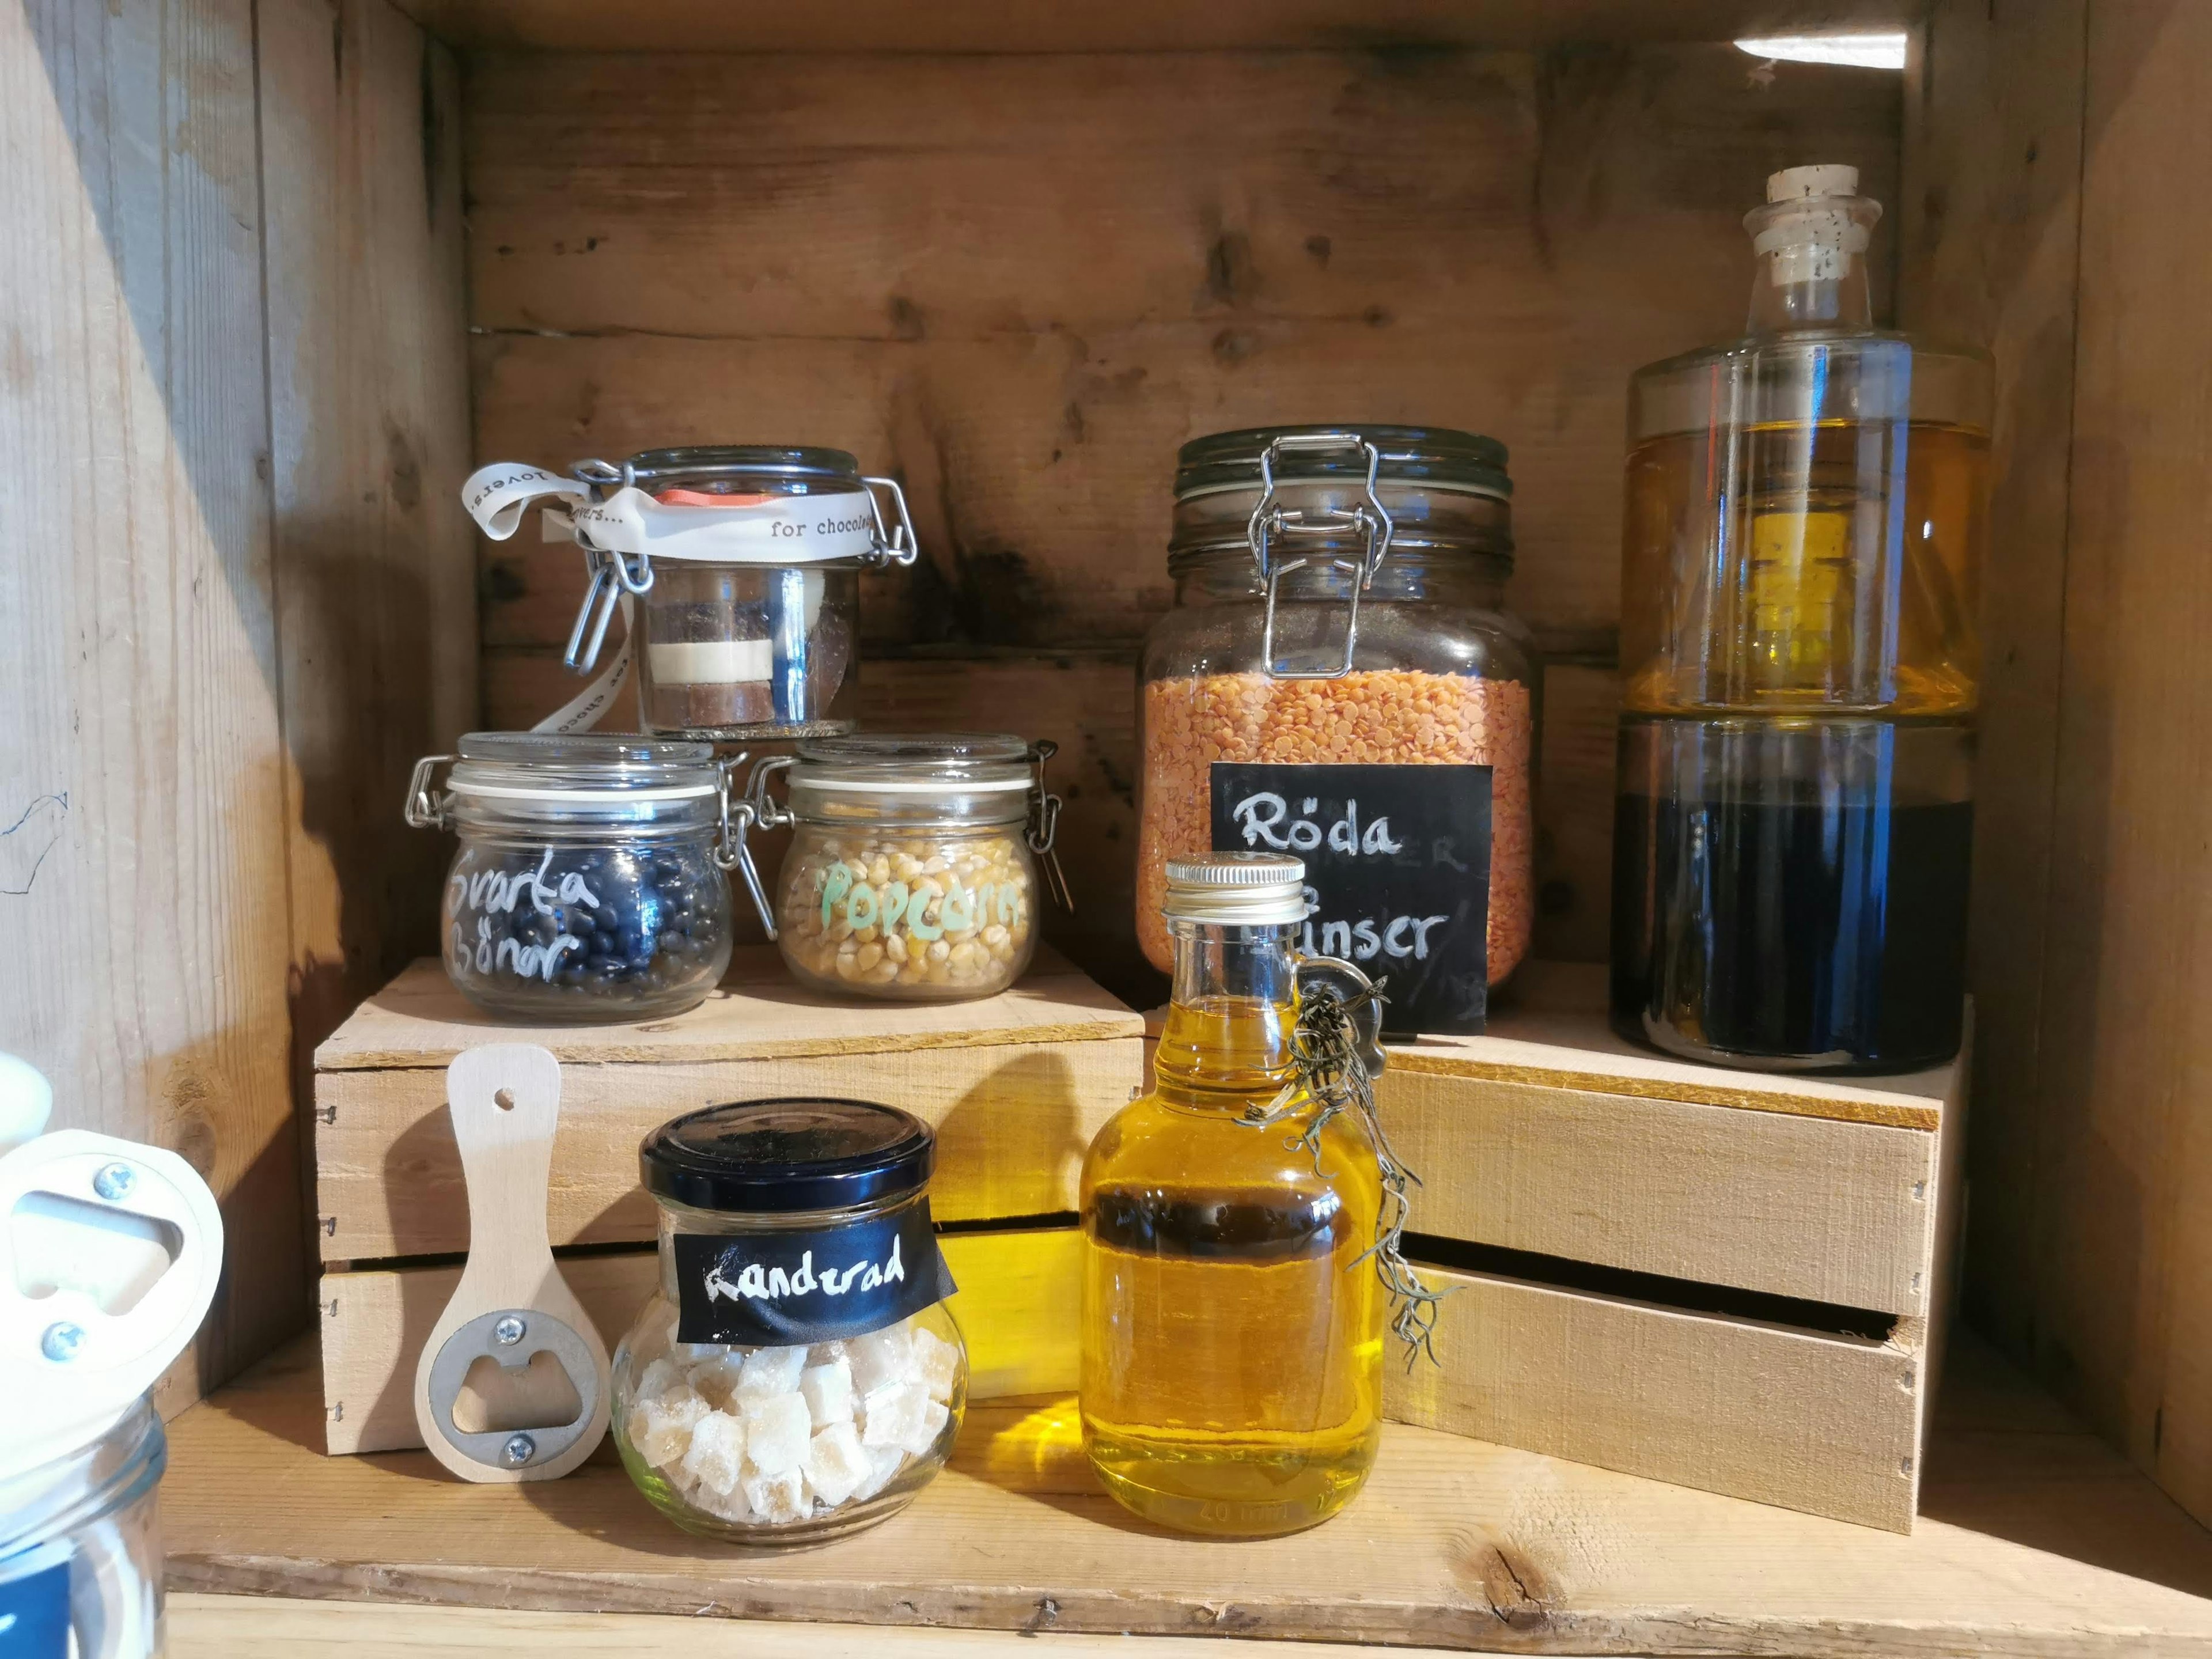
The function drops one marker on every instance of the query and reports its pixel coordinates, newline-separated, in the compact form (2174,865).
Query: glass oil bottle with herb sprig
(1233,1322)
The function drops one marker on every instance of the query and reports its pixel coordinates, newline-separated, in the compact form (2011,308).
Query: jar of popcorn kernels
(915,867)
(796,1374)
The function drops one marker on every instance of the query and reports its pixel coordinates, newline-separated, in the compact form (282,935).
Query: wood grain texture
(1020,284)
(987,26)
(757,1013)
(143,808)
(1990,243)
(2034,1540)
(2121,1247)
(1828,1425)
(202,1626)
(1549,1028)
(1017,1308)
(1015,1087)
(1811,1208)
(368,400)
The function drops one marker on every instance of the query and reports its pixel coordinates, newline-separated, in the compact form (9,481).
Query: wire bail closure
(1269,521)
(1044,827)
(425,810)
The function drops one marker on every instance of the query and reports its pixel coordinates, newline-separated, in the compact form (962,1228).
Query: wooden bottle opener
(512,1303)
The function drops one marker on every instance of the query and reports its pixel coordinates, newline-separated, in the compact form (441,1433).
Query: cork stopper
(1795,184)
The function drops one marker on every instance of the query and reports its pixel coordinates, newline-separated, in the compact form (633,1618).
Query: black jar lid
(796,1152)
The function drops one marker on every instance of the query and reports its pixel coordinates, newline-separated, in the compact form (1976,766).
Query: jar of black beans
(587,888)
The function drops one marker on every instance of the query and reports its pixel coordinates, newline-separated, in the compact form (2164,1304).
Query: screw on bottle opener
(484,1335)
(1270,521)
(1044,827)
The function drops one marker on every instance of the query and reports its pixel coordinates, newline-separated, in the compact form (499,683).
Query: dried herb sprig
(1329,1077)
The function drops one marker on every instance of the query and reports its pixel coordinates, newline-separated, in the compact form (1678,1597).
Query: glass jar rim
(915,769)
(789,1153)
(582,770)
(793,462)
(1435,457)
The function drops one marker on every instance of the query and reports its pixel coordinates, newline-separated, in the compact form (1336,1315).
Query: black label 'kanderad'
(1397,869)
(816,1286)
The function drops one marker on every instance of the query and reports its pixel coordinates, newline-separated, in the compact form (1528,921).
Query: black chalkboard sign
(1398,868)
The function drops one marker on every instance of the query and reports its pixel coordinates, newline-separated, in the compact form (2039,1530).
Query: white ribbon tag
(784,530)
(585,710)
(496,495)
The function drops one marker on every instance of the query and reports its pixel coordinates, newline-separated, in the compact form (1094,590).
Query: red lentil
(1375,717)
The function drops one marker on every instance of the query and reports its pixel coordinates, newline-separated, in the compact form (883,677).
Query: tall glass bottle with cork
(1233,1322)
(1805,519)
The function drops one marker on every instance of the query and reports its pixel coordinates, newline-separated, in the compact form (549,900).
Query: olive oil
(1232,1332)
(1837,603)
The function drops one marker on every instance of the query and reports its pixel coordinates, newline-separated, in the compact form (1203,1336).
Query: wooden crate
(1726,1280)
(1015,1087)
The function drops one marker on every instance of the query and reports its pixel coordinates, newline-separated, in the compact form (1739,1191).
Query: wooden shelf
(2035,1539)
(994,26)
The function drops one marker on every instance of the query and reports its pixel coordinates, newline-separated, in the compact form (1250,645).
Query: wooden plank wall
(2123,1239)
(1020,283)
(2044,145)
(153,816)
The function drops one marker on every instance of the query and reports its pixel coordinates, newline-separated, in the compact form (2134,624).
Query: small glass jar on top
(588,888)
(743,562)
(796,1374)
(913,868)
(1339,599)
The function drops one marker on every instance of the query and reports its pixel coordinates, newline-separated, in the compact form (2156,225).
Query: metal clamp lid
(1269,521)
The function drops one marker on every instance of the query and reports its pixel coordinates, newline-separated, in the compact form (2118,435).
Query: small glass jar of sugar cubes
(796,1374)
(916,865)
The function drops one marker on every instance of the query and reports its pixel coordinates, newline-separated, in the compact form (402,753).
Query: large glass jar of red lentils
(1339,620)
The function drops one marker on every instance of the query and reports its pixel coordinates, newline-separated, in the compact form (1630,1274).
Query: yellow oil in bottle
(1838,598)
(1232,1334)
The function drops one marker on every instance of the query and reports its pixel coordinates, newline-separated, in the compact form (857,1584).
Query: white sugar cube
(732,1505)
(897,1412)
(695,1353)
(881,1357)
(717,1378)
(655,1380)
(778,1498)
(716,1459)
(829,1391)
(825,1353)
(933,1418)
(884,1462)
(768,1371)
(660,1426)
(936,1362)
(836,1463)
(777,1432)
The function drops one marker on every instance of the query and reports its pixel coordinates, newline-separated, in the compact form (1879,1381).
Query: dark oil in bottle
(1789,917)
